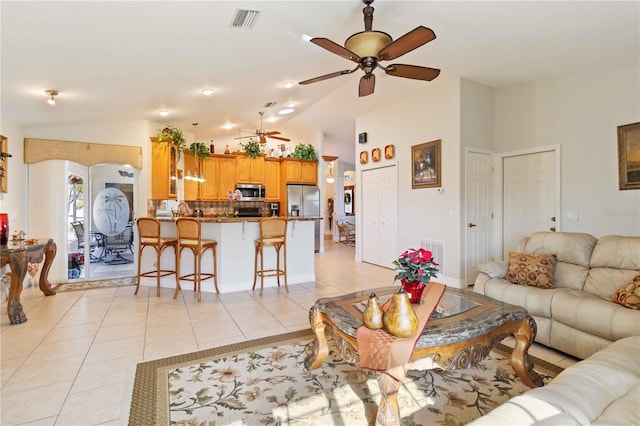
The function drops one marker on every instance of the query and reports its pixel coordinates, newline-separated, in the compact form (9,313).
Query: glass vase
(414,289)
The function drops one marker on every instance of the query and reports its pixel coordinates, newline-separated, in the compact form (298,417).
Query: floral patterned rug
(267,384)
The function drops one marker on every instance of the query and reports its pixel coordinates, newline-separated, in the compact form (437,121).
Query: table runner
(379,350)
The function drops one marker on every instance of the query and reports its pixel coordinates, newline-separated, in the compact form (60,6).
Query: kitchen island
(235,237)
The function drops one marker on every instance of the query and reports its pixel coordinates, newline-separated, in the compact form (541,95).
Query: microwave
(251,192)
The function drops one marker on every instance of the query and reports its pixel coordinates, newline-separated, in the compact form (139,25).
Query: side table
(18,255)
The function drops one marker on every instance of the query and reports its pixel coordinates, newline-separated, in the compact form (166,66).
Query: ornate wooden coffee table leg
(320,348)
(388,411)
(18,262)
(50,251)
(520,361)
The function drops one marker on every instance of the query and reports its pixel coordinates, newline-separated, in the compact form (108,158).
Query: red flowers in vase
(415,268)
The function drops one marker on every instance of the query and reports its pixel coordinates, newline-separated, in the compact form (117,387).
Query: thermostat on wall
(362,137)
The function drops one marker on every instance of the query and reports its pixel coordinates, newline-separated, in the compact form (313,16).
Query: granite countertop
(216,219)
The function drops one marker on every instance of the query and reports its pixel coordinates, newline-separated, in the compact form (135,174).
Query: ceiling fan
(263,134)
(368,48)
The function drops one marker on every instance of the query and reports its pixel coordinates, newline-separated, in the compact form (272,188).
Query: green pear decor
(372,315)
(400,318)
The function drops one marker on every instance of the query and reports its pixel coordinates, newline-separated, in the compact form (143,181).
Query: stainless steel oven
(251,192)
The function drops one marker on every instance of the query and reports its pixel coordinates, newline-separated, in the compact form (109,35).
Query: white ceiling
(128,60)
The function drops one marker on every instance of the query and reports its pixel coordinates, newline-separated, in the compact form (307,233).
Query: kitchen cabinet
(272,179)
(250,169)
(299,171)
(220,174)
(164,168)
(191,187)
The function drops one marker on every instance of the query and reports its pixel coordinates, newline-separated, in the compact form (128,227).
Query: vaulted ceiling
(128,60)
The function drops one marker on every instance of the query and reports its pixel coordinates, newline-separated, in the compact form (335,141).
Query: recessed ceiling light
(306,37)
(163,112)
(288,85)
(291,105)
(286,111)
(272,119)
(228,126)
(207,92)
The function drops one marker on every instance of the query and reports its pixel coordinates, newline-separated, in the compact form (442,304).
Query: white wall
(432,113)
(581,113)
(14,201)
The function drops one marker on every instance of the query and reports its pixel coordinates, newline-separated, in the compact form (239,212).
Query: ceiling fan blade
(405,44)
(332,47)
(412,71)
(274,132)
(367,84)
(327,76)
(280,138)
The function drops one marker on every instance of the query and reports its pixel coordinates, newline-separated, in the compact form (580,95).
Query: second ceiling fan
(368,48)
(264,134)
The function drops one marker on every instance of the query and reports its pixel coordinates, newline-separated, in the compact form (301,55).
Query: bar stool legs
(273,232)
(149,236)
(189,237)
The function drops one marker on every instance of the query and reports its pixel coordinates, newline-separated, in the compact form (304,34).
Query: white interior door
(379,215)
(530,196)
(479,176)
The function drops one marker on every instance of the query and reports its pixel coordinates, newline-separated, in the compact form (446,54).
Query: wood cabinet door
(190,167)
(250,169)
(164,159)
(227,176)
(292,171)
(209,188)
(309,172)
(272,180)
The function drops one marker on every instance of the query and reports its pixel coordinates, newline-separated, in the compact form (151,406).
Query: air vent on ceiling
(270,104)
(245,19)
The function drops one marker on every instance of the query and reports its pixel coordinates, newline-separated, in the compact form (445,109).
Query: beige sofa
(577,316)
(603,389)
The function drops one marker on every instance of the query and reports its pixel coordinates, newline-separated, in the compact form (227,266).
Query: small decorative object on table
(415,269)
(372,316)
(400,319)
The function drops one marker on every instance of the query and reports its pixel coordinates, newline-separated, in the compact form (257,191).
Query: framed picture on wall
(4,164)
(425,165)
(629,156)
(349,201)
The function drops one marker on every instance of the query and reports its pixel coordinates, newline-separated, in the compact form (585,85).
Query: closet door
(380,215)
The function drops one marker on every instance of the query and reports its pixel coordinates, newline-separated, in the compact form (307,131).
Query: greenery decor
(199,149)
(416,265)
(253,148)
(175,135)
(305,152)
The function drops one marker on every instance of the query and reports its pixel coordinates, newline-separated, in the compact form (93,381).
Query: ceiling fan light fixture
(368,43)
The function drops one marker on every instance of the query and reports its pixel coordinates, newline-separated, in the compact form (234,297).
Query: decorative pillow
(629,294)
(535,270)
(494,269)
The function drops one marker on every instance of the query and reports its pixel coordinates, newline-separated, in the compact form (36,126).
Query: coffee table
(460,333)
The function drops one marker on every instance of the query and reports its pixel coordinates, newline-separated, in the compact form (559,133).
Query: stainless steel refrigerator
(304,201)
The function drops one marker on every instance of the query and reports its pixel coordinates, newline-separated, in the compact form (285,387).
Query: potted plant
(305,152)
(199,149)
(253,148)
(173,135)
(415,268)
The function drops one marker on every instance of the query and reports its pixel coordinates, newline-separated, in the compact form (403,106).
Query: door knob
(471,225)
(552,229)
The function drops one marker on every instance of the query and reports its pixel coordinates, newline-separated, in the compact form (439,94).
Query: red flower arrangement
(415,270)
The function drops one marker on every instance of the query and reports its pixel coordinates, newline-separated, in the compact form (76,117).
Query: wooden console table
(18,255)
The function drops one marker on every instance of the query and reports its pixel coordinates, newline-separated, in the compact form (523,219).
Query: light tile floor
(70,363)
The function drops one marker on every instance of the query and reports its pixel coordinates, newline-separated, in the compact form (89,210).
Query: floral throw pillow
(629,294)
(535,270)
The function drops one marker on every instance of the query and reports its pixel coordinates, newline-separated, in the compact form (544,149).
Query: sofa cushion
(497,269)
(628,295)
(614,262)
(586,312)
(573,253)
(534,270)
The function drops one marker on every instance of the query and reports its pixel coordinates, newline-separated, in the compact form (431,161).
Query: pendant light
(331,159)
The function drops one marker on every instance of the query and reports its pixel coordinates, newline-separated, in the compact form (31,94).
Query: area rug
(264,382)
(86,285)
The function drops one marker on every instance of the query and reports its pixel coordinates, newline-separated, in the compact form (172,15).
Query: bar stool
(190,237)
(149,234)
(273,232)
